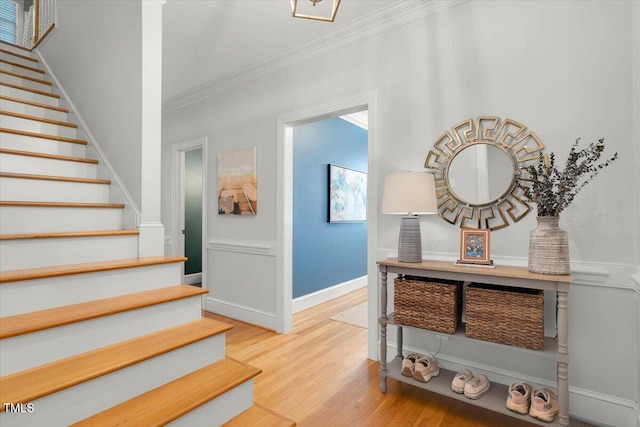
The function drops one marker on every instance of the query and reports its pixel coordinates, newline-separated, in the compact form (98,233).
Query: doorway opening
(330,163)
(189,208)
(284,264)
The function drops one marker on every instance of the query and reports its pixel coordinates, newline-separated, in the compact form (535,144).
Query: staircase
(91,334)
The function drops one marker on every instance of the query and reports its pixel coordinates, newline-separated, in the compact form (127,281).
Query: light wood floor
(319,375)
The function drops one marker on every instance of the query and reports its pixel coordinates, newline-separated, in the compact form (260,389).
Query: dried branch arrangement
(553,190)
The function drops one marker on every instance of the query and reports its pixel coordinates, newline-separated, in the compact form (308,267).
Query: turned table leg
(563,359)
(383,331)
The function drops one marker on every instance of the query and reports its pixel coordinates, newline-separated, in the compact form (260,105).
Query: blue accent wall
(325,254)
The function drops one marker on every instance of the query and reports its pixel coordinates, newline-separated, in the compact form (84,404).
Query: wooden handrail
(36,24)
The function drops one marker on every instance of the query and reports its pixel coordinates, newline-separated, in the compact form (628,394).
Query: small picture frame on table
(475,247)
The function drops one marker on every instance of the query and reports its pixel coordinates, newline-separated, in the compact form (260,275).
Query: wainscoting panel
(241,278)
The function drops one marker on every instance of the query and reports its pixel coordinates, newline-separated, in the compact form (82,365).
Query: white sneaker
(519,397)
(460,379)
(476,386)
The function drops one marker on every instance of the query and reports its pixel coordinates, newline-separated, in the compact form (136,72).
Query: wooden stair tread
(87,267)
(54,178)
(66,234)
(26,67)
(25,77)
(38,119)
(48,156)
(258,415)
(29,89)
(18,55)
(35,104)
(167,403)
(43,380)
(44,136)
(26,323)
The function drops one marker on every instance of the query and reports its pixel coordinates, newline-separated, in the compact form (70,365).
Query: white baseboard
(240,312)
(602,409)
(324,295)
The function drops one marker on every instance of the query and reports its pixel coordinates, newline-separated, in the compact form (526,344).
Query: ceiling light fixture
(313,9)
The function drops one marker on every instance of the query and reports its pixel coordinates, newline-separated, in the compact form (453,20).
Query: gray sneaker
(426,368)
(476,386)
(544,405)
(409,362)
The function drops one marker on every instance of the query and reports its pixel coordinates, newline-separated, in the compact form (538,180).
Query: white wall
(96,53)
(564,69)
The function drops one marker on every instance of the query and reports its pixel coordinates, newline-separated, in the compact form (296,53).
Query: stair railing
(39,21)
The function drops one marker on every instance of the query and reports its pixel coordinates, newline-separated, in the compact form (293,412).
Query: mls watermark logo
(22,408)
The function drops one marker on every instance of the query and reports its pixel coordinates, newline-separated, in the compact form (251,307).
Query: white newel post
(151,228)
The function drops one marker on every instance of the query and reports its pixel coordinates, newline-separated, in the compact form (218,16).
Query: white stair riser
(30,350)
(81,401)
(13,48)
(35,219)
(33,253)
(29,96)
(219,410)
(22,70)
(44,166)
(20,81)
(41,145)
(41,294)
(32,110)
(27,125)
(18,59)
(39,190)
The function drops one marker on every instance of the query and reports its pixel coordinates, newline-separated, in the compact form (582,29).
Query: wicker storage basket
(505,315)
(433,304)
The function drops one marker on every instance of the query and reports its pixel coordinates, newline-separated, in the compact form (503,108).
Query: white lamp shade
(409,193)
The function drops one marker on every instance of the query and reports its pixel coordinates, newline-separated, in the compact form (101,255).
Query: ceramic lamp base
(410,241)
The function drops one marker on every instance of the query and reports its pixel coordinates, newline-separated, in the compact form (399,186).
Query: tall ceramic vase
(549,247)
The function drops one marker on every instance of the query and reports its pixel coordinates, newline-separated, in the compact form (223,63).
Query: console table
(500,275)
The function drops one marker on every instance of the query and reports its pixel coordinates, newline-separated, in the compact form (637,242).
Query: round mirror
(480,174)
(480,169)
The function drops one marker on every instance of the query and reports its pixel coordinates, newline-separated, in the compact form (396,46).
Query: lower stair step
(28,141)
(44,188)
(89,267)
(24,217)
(23,291)
(40,337)
(35,250)
(29,162)
(102,378)
(258,415)
(179,398)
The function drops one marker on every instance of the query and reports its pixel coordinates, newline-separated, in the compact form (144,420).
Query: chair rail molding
(253,247)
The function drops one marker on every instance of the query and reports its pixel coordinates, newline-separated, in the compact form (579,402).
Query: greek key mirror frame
(521,145)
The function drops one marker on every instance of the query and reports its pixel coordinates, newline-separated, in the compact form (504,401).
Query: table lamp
(409,194)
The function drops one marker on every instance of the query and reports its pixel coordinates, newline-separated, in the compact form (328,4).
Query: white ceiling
(208,41)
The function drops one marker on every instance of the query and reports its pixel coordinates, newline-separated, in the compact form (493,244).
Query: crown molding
(384,19)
